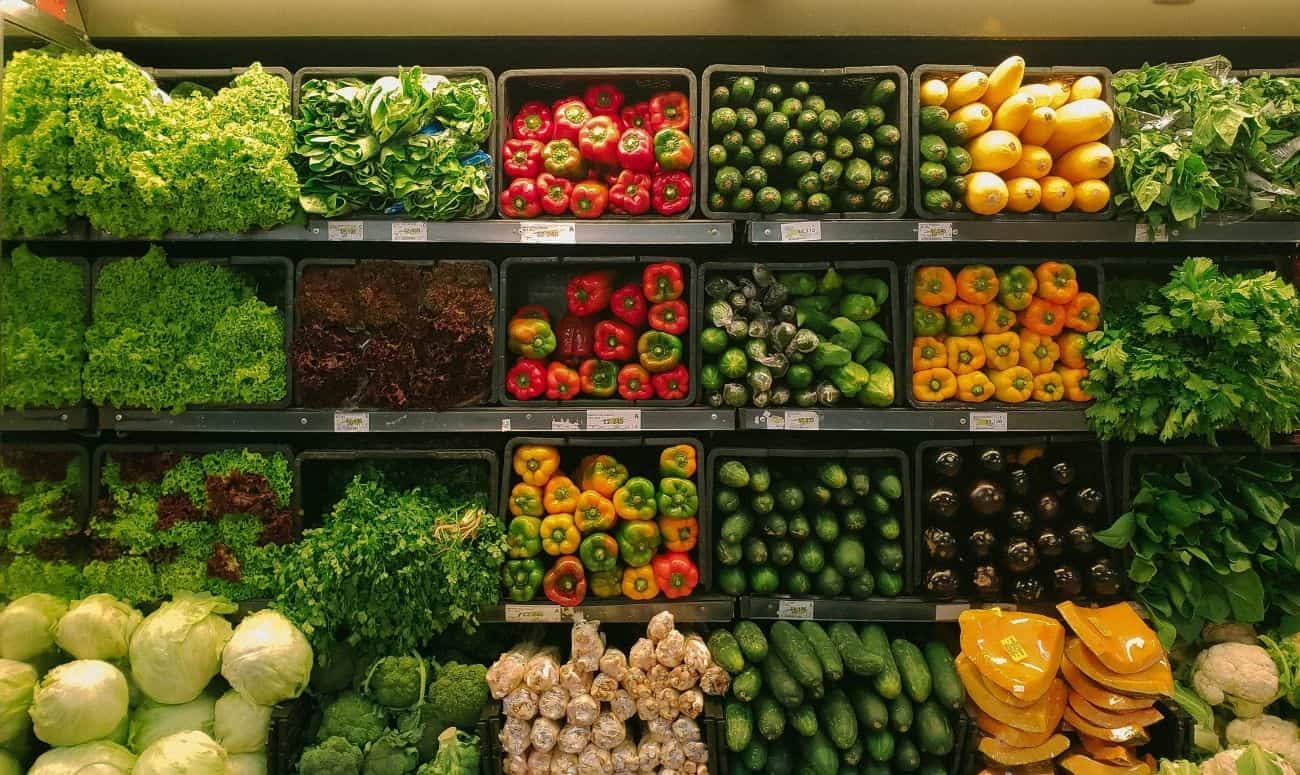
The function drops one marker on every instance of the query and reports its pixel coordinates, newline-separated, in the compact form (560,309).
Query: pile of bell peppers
(1011,334)
(600,529)
(613,341)
(596,153)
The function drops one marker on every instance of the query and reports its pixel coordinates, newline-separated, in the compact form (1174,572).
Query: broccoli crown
(396,682)
(458,695)
(334,756)
(353,718)
(390,755)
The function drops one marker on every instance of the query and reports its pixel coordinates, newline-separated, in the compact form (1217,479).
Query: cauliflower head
(1225,762)
(353,718)
(1245,677)
(334,756)
(1271,733)
(396,682)
(458,695)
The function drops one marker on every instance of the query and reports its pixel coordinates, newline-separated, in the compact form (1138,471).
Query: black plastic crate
(272,278)
(549,84)
(529,280)
(287,736)
(899,458)
(840,82)
(498,324)
(88,289)
(890,320)
(1066,73)
(1091,279)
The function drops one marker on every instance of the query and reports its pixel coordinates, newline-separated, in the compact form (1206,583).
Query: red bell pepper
(521,199)
(562,382)
(636,150)
(569,118)
(526,379)
(673,383)
(663,282)
(562,159)
(588,293)
(555,193)
(603,98)
(634,383)
(589,199)
(599,378)
(615,341)
(670,109)
(671,193)
(637,115)
(631,193)
(575,336)
(673,150)
(675,573)
(523,158)
(566,582)
(598,140)
(534,122)
(629,305)
(669,316)
(535,311)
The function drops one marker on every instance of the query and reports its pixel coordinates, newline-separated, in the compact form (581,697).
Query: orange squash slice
(1116,635)
(1018,651)
(1096,694)
(1104,718)
(1155,680)
(1109,753)
(1040,717)
(1004,733)
(1082,764)
(997,752)
(1127,735)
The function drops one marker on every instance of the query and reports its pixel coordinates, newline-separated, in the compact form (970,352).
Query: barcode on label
(1014,649)
(410,231)
(988,421)
(794,609)
(613,419)
(557,233)
(351,422)
(346,231)
(533,614)
(928,231)
(801,231)
(796,420)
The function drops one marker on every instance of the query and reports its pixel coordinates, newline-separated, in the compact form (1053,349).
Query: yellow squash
(1004,81)
(1035,162)
(1090,161)
(1040,127)
(966,89)
(1086,88)
(986,193)
(1078,123)
(1023,194)
(994,151)
(1058,194)
(1091,196)
(1013,113)
(976,115)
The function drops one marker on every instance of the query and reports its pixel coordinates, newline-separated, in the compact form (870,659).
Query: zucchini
(901,713)
(803,720)
(797,653)
(880,746)
(769,717)
(838,720)
(911,666)
(874,768)
(780,760)
(746,686)
(888,683)
(820,755)
(726,651)
(740,726)
(784,688)
(753,643)
(853,755)
(948,689)
(754,756)
(856,658)
(933,732)
(827,654)
(871,711)
(906,757)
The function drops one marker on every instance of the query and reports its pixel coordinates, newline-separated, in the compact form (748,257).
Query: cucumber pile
(809,528)
(944,163)
(778,147)
(834,700)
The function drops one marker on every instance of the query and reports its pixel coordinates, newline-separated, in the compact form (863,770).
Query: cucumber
(887,483)
(740,726)
(948,689)
(853,755)
(769,717)
(906,757)
(880,746)
(747,684)
(797,653)
(901,713)
(753,643)
(726,651)
(784,688)
(827,654)
(754,757)
(780,760)
(912,668)
(874,768)
(888,683)
(803,720)
(820,755)
(932,766)
(933,732)
(838,719)
(738,767)
(872,713)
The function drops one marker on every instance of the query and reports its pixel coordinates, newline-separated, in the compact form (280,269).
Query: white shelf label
(549,232)
(773,421)
(933,231)
(802,420)
(613,419)
(1141,233)
(801,231)
(948,612)
(346,231)
(410,231)
(794,609)
(505,424)
(988,421)
(533,614)
(351,422)
(565,424)
(1160,233)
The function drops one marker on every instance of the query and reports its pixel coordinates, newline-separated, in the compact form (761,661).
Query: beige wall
(1000,18)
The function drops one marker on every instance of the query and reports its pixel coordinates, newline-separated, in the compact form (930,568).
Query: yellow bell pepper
(639,583)
(965,354)
(677,460)
(1002,350)
(1048,387)
(1071,344)
(560,535)
(603,474)
(1038,353)
(535,463)
(928,352)
(997,319)
(1013,385)
(974,387)
(525,500)
(934,385)
(594,513)
(1073,379)
(561,495)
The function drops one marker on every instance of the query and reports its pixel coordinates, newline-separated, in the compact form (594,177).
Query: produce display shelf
(77,418)
(1006,230)
(502,232)
(839,609)
(912,420)
(696,608)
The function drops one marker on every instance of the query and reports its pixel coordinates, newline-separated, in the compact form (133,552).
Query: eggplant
(946,462)
(987,497)
(748,288)
(981,543)
(1048,507)
(987,582)
(1062,473)
(738,300)
(1081,540)
(1019,520)
(1103,579)
(941,544)
(1067,584)
(1020,555)
(719,288)
(1026,590)
(1018,480)
(1050,544)
(942,583)
(992,459)
(763,276)
(1088,501)
(787,313)
(942,503)
(774,296)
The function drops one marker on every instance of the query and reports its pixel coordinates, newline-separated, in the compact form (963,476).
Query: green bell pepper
(606,583)
(850,378)
(831,283)
(798,283)
(872,330)
(856,306)
(927,321)
(879,391)
(638,542)
(828,355)
(678,497)
(524,537)
(635,500)
(659,351)
(847,334)
(874,287)
(868,349)
(523,578)
(599,552)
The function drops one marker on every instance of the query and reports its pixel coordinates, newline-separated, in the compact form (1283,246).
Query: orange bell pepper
(680,534)
(525,500)
(974,387)
(1073,379)
(928,353)
(1083,313)
(1043,317)
(1013,385)
(604,474)
(935,286)
(1071,345)
(1057,282)
(677,460)
(594,513)
(1002,350)
(934,385)
(997,319)
(639,583)
(561,495)
(965,354)
(1048,387)
(535,463)
(1038,353)
(964,319)
(977,284)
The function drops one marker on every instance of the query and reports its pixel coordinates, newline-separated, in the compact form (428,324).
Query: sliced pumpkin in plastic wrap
(1109,753)
(997,752)
(1082,764)
(1155,680)
(1018,651)
(1130,735)
(1104,718)
(1037,768)
(1040,717)
(1116,635)
(1005,696)
(1008,734)
(1098,695)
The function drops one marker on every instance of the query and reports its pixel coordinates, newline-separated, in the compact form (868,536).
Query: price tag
(565,424)
(1160,233)
(1141,233)
(794,609)
(549,232)
(948,612)
(505,424)
(801,231)
(346,231)
(933,231)
(533,614)
(351,422)
(773,421)
(988,421)
(410,231)
(613,419)
(1014,649)
(802,420)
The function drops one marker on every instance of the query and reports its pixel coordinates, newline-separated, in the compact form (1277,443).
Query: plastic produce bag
(690,703)
(660,625)
(637,683)
(543,670)
(685,730)
(608,731)
(539,762)
(573,739)
(574,679)
(671,649)
(624,757)
(682,678)
(564,763)
(545,734)
(715,681)
(553,703)
(603,688)
(697,656)
(613,663)
(594,761)
(623,706)
(520,704)
(505,675)
(515,736)
(587,645)
(582,711)
(642,655)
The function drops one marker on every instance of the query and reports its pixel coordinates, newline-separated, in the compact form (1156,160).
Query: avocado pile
(778,147)
(801,528)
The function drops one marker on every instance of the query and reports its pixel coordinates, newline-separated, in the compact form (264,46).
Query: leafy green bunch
(42,324)
(38,519)
(1207,351)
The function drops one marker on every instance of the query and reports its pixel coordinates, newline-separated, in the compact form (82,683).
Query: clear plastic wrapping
(564,764)
(685,730)
(539,762)
(543,670)
(671,754)
(715,681)
(642,655)
(670,650)
(660,625)
(624,757)
(659,728)
(682,678)
(637,683)
(667,698)
(622,706)
(613,663)
(573,739)
(545,734)
(520,704)
(574,679)
(690,703)
(553,703)
(582,711)
(696,752)
(515,764)
(647,708)
(594,761)
(603,687)
(697,654)
(608,731)
(587,645)
(514,736)
(647,753)
(507,672)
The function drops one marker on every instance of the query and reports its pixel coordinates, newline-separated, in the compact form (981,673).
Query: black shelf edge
(913,420)
(837,609)
(696,608)
(845,230)
(73,419)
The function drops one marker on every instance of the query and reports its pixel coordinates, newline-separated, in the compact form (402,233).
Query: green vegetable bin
(549,84)
(88,288)
(1067,73)
(842,82)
